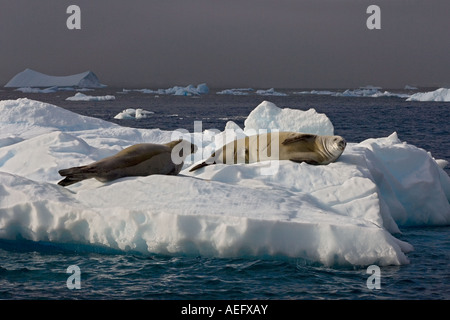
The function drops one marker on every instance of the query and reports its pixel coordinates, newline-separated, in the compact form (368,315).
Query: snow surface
(31,78)
(82,97)
(441,95)
(131,113)
(344,213)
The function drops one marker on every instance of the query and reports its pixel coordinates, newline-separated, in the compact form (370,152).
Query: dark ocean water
(38,270)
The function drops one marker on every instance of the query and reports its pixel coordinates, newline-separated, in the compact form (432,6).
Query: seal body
(137,160)
(294,146)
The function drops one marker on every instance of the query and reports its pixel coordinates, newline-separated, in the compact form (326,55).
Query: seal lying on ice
(294,146)
(137,160)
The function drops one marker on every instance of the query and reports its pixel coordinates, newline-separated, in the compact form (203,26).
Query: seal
(294,146)
(137,160)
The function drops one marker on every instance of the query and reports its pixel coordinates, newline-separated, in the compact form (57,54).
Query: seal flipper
(201,165)
(75,174)
(68,181)
(297,137)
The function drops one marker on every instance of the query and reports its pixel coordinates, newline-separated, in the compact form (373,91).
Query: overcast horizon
(257,43)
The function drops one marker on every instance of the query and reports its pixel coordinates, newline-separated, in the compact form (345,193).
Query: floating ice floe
(236,92)
(189,90)
(131,113)
(270,92)
(31,78)
(247,91)
(370,91)
(37,90)
(440,95)
(82,97)
(344,213)
(51,89)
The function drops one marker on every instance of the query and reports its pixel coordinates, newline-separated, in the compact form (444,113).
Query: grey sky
(231,43)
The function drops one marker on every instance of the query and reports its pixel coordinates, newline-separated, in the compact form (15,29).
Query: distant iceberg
(50,89)
(31,78)
(369,91)
(82,97)
(318,92)
(236,92)
(441,95)
(247,91)
(270,92)
(37,90)
(131,113)
(189,90)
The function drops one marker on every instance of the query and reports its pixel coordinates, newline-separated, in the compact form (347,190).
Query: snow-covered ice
(344,213)
(441,95)
(83,97)
(268,116)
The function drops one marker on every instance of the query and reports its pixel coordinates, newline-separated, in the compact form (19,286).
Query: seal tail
(74,175)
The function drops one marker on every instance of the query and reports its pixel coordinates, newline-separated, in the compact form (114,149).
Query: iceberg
(270,92)
(247,91)
(82,97)
(318,92)
(371,92)
(31,78)
(268,116)
(441,95)
(189,90)
(37,90)
(50,89)
(236,92)
(345,213)
(202,88)
(132,113)
(368,91)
